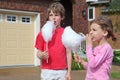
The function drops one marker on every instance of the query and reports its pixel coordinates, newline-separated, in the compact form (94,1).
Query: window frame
(30,21)
(11,21)
(0,17)
(93,8)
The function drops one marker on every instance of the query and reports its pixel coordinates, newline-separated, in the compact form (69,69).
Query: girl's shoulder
(106,46)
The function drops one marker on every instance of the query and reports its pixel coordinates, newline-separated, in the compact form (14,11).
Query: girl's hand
(88,39)
(77,58)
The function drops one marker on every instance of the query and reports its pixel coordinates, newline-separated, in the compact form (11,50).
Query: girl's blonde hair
(58,8)
(106,24)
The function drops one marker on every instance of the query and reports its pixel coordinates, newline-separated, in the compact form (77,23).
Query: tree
(114,8)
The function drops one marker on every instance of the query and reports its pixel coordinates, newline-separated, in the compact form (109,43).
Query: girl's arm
(69,63)
(98,56)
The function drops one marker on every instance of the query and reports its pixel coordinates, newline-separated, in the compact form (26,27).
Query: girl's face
(97,33)
(56,18)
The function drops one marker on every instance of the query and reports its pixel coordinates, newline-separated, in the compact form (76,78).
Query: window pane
(90,13)
(11,18)
(26,19)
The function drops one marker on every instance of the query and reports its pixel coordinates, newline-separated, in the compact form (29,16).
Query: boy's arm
(69,63)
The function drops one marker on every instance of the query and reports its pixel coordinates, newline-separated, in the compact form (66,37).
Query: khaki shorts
(47,74)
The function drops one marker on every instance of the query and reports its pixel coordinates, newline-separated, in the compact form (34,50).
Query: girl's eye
(93,29)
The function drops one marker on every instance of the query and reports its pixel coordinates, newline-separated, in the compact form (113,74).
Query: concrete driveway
(32,73)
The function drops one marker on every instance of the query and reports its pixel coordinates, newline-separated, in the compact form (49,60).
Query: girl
(99,57)
(59,58)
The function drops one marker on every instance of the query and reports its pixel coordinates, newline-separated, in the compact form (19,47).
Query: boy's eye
(50,15)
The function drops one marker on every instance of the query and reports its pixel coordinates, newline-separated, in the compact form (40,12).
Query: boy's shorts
(47,74)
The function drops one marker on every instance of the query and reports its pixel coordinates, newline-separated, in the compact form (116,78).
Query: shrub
(116,58)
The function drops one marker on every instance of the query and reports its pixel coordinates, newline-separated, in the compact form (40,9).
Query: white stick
(78,65)
(47,50)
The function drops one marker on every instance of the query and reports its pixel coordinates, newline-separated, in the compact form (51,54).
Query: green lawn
(115,75)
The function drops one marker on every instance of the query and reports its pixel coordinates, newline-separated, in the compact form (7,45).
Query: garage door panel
(11,32)
(11,44)
(16,43)
(26,44)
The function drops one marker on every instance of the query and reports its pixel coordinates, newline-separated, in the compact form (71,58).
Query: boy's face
(56,18)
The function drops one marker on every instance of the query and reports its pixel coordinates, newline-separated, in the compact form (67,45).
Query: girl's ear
(105,33)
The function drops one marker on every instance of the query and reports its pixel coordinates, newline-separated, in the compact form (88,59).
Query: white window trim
(93,13)
(11,21)
(1,18)
(26,22)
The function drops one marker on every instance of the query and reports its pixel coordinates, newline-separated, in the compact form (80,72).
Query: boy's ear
(63,18)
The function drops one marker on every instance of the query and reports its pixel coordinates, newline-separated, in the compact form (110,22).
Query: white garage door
(16,39)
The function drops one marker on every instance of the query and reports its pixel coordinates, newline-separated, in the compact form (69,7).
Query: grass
(115,75)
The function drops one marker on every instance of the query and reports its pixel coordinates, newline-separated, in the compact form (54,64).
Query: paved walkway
(32,73)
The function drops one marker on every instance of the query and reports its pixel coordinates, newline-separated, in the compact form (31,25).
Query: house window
(26,19)
(0,17)
(91,13)
(11,18)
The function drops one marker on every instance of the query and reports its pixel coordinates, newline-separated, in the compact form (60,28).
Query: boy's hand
(43,55)
(68,76)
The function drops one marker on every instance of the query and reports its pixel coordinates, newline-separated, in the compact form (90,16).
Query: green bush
(76,66)
(116,58)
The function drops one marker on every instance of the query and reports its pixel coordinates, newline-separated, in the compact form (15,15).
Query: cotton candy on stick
(72,40)
(47,32)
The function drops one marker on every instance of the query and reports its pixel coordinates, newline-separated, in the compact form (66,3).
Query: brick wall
(80,23)
(27,5)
